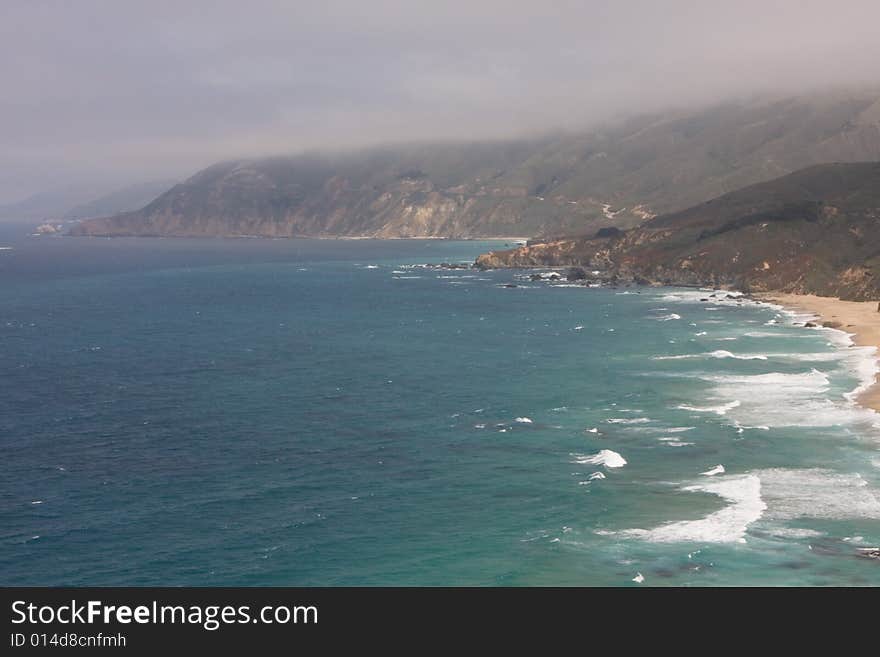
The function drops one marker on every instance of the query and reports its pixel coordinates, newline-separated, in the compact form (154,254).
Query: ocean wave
(778,399)
(628,420)
(606,457)
(743,492)
(721,409)
(718,353)
(667,318)
(660,429)
(775,334)
(711,472)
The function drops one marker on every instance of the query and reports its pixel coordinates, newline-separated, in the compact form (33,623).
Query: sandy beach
(859,318)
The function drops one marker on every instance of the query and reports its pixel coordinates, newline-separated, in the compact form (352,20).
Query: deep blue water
(292,412)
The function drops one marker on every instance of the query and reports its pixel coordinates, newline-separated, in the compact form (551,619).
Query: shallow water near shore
(293,412)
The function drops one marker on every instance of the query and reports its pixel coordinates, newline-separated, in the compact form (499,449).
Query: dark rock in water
(510,285)
(730,296)
(609,231)
(535,277)
(704,299)
(833,325)
(554,277)
(869,553)
(575,274)
(810,325)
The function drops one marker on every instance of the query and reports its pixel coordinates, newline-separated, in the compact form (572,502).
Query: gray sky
(117,92)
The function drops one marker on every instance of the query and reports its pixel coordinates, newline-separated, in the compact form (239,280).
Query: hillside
(813,231)
(569,184)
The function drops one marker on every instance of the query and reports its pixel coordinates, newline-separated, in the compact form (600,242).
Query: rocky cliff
(813,231)
(572,184)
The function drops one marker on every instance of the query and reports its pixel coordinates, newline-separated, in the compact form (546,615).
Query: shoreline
(294,237)
(859,319)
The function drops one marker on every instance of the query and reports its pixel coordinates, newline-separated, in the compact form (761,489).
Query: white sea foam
(779,334)
(597,475)
(523,420)
(743,492)
(677,443)
(667,318)
(659,429)
(628,420)
(817,493)
(606,457)
(718,353)
(698,295)
(639,578)
(721,409)
(795,532)
(717,470)
(778,399)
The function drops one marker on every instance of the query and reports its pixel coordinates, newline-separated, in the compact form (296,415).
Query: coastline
(860,319)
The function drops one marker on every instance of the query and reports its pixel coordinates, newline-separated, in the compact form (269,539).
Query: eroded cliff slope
(814,231)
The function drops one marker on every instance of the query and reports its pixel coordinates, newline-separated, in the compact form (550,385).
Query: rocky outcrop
(809,232)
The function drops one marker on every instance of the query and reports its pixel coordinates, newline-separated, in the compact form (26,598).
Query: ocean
(328,412)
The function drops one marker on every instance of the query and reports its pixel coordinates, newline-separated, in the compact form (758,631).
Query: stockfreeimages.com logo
(210,617)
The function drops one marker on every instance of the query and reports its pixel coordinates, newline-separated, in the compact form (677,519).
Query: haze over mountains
(75,202)
(566,184)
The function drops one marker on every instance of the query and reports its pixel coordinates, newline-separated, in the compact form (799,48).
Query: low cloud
(121,92)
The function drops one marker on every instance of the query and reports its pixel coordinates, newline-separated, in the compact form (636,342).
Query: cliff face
(813,231)
(571,184)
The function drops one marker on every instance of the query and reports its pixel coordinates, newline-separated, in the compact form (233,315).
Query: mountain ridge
(573,184)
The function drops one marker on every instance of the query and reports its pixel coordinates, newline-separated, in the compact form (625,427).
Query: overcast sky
(127,91)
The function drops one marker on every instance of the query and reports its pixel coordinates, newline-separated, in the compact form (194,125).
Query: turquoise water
(288,412)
